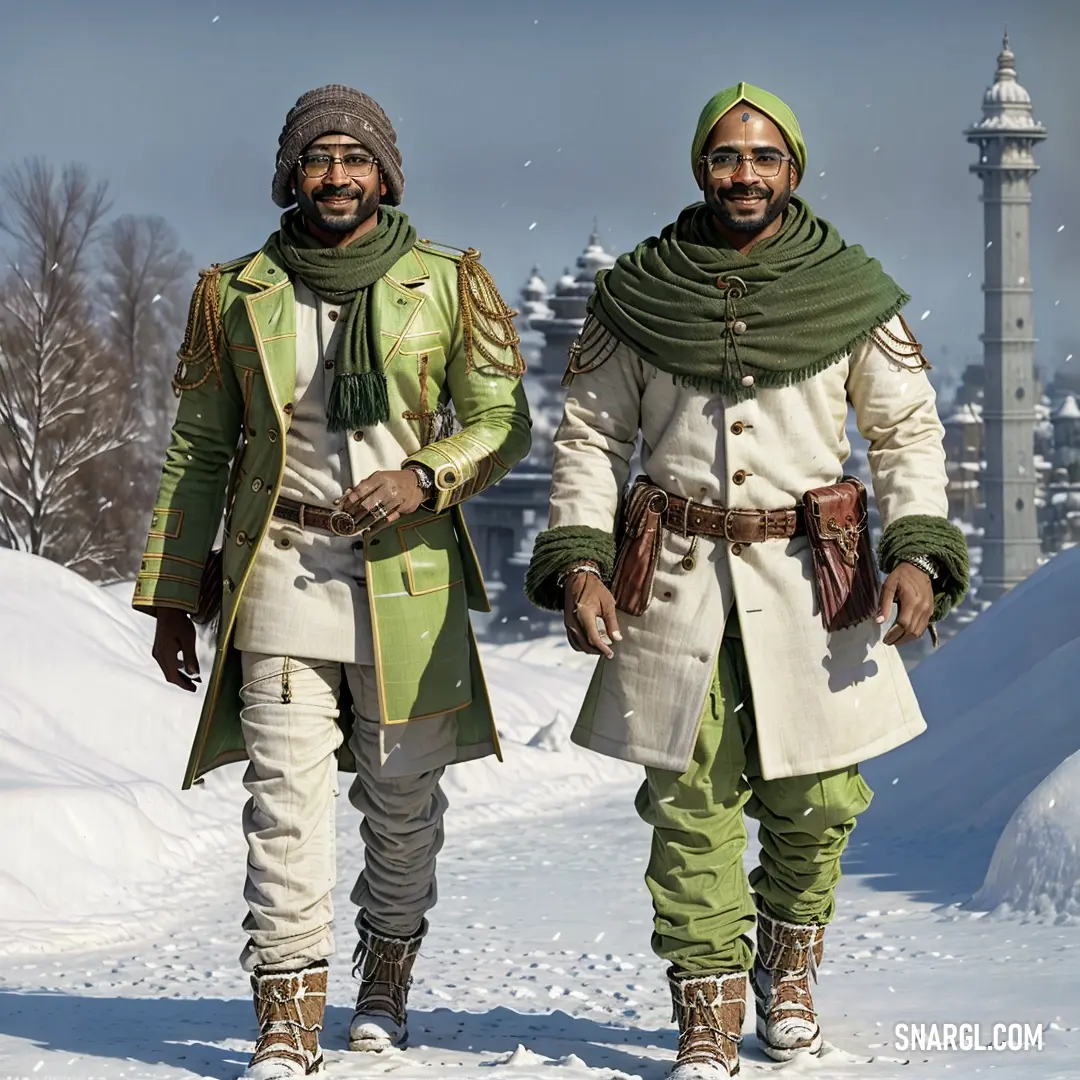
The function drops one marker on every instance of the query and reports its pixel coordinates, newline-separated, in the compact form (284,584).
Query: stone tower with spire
(1005,137)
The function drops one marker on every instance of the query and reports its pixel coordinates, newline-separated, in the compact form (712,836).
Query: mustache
(328,192)
(737,191)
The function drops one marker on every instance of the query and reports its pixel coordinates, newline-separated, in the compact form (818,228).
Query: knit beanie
(768,104)
(337,108)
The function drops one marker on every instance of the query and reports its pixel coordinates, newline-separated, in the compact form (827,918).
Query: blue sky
(181,113)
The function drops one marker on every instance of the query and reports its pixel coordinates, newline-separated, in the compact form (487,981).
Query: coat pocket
(431,555)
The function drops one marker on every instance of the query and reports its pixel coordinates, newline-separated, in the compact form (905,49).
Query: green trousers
(704,914)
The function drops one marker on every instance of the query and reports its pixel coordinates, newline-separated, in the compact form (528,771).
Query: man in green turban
(729,348)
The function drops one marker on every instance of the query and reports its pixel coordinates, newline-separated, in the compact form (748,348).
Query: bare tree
(142,303)
(61,397)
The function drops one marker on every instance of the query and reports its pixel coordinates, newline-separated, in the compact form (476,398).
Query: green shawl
(690,304)
(344,275)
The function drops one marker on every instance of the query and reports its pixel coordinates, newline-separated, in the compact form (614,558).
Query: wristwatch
(423,478)
(926,564)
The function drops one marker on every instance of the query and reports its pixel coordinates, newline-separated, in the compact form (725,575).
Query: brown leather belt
(690,518)
(338,522)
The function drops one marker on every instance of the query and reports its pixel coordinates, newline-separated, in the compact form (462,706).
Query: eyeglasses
(356,166)
(766,163)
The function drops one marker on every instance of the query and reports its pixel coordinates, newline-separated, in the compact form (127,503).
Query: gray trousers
(290,709)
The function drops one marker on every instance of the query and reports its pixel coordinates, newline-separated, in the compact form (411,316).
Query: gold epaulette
(487,321)
(447,250)
(199,356)
(907,352)
(591,348)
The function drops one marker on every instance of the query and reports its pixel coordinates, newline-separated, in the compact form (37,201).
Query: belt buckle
(729,517)
(342,523)
(764,519)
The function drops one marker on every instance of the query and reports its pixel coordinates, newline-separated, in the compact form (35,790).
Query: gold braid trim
(591,348)
(203,335)
(486,320)
(902,350)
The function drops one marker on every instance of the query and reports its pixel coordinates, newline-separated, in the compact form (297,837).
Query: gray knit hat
(350,112)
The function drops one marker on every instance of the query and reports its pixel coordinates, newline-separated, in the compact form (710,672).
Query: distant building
(504,521)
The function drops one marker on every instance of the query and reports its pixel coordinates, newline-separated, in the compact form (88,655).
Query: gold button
(272,434)
(736,549)
(332,316)
(737,428)
(284,542)
(747,380)
(241,538)
(358,436)
(689,562)
(256,484)
(739,477)
(287,408)
(739,327)
(402,300)
(449,477)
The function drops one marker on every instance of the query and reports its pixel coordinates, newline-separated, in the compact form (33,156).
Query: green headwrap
(764,102)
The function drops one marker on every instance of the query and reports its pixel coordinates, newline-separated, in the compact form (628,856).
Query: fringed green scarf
(688,303)
(344,275)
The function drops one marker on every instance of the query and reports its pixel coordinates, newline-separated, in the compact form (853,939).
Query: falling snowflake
(822,173)
(1068,358)
(1061,228)
(1050,804)
(989,243)
(741,705)
(592,394)
(896,779)
(528,163)
(626,716)
(1020,280)
(925,314)
(876,149)
(532,226)
(969,274)
(215,18)
(808,811)
(157,297)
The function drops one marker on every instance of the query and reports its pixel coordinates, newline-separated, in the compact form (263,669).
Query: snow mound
(1000,705)
(1036,865)
(92,750)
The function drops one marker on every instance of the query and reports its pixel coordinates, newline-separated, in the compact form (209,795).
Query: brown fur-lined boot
(788,955)
(384,965)
(289,1006)
(710,1010)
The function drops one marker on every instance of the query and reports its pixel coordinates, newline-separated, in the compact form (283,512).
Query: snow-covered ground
(120,899)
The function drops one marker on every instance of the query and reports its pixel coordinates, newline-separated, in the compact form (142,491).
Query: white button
(748,380)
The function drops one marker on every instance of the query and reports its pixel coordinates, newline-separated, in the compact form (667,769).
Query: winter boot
(384,966)
(710,1010)
(289,1006)
(788,955)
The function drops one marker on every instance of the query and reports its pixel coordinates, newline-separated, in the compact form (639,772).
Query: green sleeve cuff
(923,534)
(555,551)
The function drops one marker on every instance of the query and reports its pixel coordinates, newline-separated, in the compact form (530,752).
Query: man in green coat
(329,368)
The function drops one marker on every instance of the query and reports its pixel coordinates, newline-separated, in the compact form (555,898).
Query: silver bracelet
(926,564)
(580,568)
(423,477)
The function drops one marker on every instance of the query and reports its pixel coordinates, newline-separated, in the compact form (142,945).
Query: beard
(741,220)
(331,219)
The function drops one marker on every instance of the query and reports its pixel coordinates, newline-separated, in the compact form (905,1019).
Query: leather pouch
(641,537)
(845,570)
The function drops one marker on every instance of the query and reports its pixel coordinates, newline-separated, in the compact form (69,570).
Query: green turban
(764,102)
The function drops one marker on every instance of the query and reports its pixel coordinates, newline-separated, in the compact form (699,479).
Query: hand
(175,635)
(586,600)
(397,492)
(914,595)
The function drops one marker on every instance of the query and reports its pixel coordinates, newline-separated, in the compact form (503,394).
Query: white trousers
(289,719)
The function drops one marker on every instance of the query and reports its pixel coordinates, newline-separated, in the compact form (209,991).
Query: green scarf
(693,306)
(344,275)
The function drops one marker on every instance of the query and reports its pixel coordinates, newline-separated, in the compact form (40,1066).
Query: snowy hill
(1002,701)
(93,745)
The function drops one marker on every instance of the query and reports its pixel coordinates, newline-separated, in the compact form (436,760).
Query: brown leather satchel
(641,537)
(845,571)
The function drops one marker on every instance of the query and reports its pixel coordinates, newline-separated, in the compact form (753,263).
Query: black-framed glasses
(356,166)
(725,163)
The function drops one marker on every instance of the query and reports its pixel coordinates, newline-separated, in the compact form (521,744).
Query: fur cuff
(923,534)
(555,551)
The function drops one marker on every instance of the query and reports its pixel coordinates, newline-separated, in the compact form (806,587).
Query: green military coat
(236,383)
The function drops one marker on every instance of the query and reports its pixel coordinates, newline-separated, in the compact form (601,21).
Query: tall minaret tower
(1005,136)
